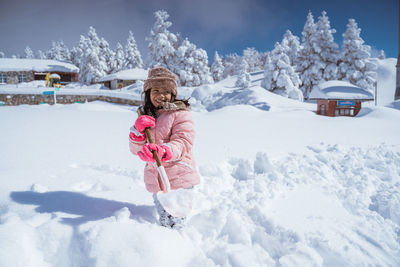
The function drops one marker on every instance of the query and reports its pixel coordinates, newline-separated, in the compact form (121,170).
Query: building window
(21,78)
(351,112)
(3,78)
(336,112)
(341,112)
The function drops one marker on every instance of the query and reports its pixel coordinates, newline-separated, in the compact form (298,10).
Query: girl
(172,129)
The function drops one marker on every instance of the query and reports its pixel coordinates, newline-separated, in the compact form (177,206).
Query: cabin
(123,78)
(18,70)
(339,98)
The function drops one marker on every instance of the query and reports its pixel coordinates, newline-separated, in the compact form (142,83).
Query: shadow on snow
(89,208)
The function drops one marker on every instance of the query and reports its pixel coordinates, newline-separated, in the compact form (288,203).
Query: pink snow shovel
(178,202)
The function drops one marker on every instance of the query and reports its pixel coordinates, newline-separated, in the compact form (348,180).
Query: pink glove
(164,153)
(144,121)
(141,123)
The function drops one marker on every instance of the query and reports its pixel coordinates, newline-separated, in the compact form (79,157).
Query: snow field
(277,189)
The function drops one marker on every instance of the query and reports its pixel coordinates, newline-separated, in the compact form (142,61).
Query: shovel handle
(155,154)
(156,157)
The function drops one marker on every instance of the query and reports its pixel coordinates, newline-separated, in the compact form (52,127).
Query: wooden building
(339,98)
(123,78)
(18,70)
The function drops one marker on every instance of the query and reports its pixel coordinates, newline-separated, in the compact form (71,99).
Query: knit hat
(161,77)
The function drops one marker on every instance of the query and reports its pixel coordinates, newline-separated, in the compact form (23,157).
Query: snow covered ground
(281,186)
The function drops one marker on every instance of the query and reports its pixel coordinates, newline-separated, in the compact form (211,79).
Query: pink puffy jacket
(174,129)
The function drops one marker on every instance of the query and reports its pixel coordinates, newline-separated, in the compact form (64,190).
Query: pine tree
(243,79)
(326,48)
(182,57)
(2,55)
(58,51)
(382,54)
(29,53)
(253,59)
(91,65)
(133,58)
(75,55)
(356,66)
(291,45)
(119,63)
(217,68)
(191,65)
(107,56)
(309,65)
(269,68)
(279,76)
(161,42)
(231,65)
(41,54)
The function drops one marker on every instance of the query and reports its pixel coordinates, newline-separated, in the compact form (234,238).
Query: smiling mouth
(159,103)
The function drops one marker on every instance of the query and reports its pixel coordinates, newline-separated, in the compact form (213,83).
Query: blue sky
(226,26)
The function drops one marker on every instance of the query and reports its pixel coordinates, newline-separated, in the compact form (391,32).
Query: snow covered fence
(28,96)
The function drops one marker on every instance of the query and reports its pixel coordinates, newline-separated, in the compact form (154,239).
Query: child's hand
(164,153)
(144,121)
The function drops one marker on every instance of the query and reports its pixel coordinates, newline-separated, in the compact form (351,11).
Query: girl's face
(160,95)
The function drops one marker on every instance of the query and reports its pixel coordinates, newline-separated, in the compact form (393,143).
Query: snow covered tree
(191,65)
(133,59)
(355,65)
(91,64)
(243,79)
(382,54)
(279,76)
(180,56)
(162,43)
(326,48)
(119,62)
(217,68)
(232,65)
(2,55)
(253,58)
(309,65)
(107,56)
(58,51)
(29,52)
(75,55)
(41,54)
(291,45)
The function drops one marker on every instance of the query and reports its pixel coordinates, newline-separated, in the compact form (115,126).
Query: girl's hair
(151,110)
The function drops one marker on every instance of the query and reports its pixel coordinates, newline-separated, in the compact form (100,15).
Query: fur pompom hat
(161,77)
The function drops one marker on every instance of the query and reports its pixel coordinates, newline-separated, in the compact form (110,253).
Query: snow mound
(224,93)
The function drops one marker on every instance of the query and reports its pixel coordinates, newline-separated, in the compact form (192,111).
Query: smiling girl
(172,128)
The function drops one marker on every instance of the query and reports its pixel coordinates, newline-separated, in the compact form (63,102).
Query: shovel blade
(178,202)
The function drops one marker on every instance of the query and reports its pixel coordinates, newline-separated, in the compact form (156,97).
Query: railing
(30,96)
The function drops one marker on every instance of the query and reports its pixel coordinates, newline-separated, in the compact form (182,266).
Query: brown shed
(339,98)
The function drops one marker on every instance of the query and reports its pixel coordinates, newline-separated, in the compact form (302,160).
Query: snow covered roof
(39,65)
(130,74)
(340,90)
